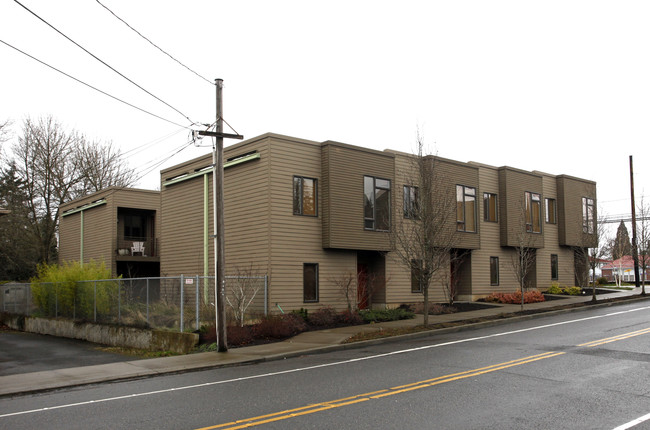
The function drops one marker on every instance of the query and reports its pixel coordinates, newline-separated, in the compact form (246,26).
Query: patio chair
(138,247)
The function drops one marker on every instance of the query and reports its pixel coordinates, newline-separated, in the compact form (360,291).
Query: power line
(92,87)
(103,62)
(158,164)
(156,46)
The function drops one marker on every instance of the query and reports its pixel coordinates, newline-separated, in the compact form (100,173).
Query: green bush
(602,280)
(555,289)
(59,287)
(573,291)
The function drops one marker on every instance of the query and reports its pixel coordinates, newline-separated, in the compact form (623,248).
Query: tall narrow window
(554,267)
(310,282)
(305,196)
(376,203)
(588,222)
(465,208)
(551,211)
(489,207)
(533,212)
(494,270)
(411,202)
(416,269)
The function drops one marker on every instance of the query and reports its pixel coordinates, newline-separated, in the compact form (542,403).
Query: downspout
(206,240)
(81,247)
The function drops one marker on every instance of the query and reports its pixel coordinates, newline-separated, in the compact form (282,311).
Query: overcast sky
(557,86)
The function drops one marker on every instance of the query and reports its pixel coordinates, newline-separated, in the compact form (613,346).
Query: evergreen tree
(622,245)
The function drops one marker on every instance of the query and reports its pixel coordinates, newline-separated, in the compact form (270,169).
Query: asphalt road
(582,370)
(22,352)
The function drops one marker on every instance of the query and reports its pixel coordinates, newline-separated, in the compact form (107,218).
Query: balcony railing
(128,247)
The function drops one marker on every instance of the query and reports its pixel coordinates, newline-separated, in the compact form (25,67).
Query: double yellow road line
(323,406)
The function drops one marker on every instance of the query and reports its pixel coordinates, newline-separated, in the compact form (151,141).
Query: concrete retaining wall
(129,337)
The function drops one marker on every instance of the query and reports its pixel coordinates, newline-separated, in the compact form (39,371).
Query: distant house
(623,269)
(118,226)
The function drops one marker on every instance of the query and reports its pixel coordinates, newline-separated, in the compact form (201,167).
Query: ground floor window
(494,270)
(416,282)
(554,267)
(310,282)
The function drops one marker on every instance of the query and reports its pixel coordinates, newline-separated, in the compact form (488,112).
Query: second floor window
(305,198)
(465,208)
(376,203)
(588,222)
(551,211)
(410,202)
(489,207)
(533,212)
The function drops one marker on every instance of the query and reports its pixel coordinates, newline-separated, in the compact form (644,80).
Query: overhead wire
(161,162)
(153,44)
(103,62)
(94,88)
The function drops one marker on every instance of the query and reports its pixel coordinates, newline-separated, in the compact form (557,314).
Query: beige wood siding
(70,238)
(513,183)
(570,193)
(347,166)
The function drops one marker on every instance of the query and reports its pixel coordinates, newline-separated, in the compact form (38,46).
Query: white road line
(633,422)
(283,372)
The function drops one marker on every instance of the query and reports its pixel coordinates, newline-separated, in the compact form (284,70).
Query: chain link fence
(178,303)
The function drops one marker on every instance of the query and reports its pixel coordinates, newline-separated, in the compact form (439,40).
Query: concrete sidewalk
(304,343)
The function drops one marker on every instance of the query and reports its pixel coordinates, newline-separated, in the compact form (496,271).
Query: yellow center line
(615,338)
(346,401)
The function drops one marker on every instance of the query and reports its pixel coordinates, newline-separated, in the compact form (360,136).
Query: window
(465,208)
(551,211)
(411,201)
(376,203)
(416,268)
(554,267)
(310,282)
(489,207)
(588,215)
(305,196)
(494,270)
(533,212)
(134,226)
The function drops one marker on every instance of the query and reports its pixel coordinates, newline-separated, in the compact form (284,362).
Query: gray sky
(557,86)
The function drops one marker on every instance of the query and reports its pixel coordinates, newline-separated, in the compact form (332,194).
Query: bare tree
(592,248)
(57,166)
(245,286)
(102,166)
(423,238)
(346,284)
(523,260)
(643,232)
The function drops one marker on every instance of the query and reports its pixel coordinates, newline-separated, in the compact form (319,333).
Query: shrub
(59,286)
(349,318)
(323,317)
(555,289)
(279,326)
(238,336)
(515,298)
(386,315)
(434,309)
(602,281)
(573,291)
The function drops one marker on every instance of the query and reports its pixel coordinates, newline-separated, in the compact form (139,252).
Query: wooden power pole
(217,204)
(635,251)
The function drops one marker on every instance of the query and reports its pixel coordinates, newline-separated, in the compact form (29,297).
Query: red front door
(362,286)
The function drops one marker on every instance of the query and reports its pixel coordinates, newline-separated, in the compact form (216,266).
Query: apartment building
(118,226)
(311,215)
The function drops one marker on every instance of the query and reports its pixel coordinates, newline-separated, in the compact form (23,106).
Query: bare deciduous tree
(243,290)
(422,240)
(346,284)
(643,233)
(593,248)
(58,166)
(523,260)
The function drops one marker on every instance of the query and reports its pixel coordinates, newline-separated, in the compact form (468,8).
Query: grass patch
(135,352)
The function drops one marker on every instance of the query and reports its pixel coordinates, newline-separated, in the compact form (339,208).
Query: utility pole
(217,204)
(635,252)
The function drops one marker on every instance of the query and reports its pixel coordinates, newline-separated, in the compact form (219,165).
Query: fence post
(182,282)
(95,300)
(119,301)
(266,295)
(147,300)
(197,302)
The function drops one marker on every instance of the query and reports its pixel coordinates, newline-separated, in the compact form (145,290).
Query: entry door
(362,285)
